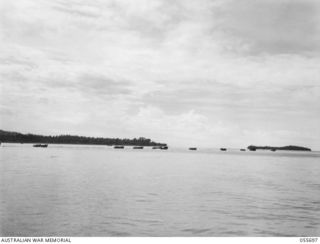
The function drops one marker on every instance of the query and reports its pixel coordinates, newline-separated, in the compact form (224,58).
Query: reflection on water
(98,191)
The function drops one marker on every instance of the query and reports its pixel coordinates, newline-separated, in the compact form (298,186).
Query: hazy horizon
(177,147)
(206,73)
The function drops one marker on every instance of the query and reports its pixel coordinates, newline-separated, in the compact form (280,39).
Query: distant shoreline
(285,148)
(16,137)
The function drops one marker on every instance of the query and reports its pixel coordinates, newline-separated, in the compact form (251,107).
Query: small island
(15,137)
(285,148)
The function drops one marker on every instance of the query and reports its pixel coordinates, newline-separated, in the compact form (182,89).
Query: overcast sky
(186,72)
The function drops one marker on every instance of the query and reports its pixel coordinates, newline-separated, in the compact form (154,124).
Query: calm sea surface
(100,191)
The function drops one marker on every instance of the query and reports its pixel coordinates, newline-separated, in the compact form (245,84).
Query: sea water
(67,190)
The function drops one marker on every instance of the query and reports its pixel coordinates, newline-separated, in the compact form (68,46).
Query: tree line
(287,148)
(15,137)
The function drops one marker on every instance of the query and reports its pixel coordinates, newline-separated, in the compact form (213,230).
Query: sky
(207,73)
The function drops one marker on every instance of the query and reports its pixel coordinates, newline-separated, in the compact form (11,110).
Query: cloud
(78,9)
(180,129)
(100,85)
(233,70)
(272,27)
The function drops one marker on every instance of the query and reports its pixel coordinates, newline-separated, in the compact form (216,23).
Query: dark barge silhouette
(40,145)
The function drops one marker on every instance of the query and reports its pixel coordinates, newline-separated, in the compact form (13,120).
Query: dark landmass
(287,148)
(15,137)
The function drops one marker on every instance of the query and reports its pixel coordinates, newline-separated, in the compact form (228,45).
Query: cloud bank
(210,73)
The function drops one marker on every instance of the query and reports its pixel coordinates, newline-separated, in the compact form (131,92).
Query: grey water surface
(68,190)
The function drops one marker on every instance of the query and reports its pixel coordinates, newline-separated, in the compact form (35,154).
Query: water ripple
(195,231)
